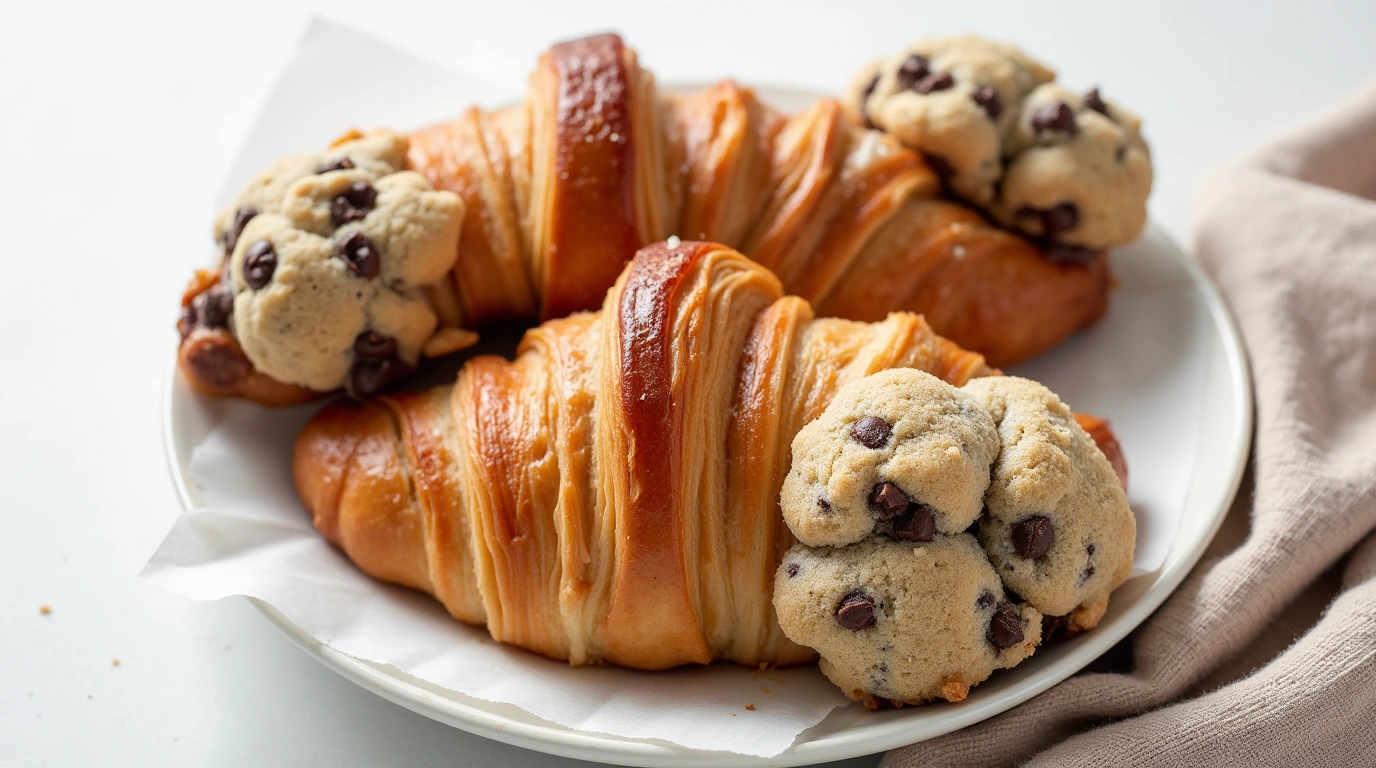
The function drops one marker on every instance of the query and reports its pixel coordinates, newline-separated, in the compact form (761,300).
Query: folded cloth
(1266,655)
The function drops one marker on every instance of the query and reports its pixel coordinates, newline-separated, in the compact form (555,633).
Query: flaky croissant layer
(612,493)
(555,193)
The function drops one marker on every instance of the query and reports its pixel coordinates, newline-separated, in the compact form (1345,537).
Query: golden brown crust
(611,495)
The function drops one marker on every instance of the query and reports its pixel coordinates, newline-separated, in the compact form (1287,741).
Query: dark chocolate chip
(824,505)
(1050,626)
(856,611)
(792,570)
(914,69)
(865,100)
(1057,116)
(986,600)
(1059,218)
(1096,102)
(360,254)
(186,323)
(371,347)
(939,165)
(353,204)
(1087,574)
(871,432)
(1005,628)
(367,378)
(342,164)
(213,306)
(916,524)
(1090,549)
(888,501)
(937,81)
(1064,253)
(988,99)
(259,264)
(221,365)
(236,228)
(1033,537)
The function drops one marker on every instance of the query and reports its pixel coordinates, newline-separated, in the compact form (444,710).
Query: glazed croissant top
(555,194)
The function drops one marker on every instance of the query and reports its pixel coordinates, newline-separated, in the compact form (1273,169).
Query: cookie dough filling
(326,256)
(943,532)
(1068,169)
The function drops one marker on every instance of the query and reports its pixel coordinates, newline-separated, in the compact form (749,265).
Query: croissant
(611,495)
(560,189)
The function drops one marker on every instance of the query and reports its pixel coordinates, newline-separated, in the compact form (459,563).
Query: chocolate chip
(259,264)
(371,347)
(1057,116)
(888,501)
(353,204)
(856,611)
(342,164)
(1033,537)
(1088,572)
(1064,253)
(865,100)
(1061,217)
(1050,626)
(988,99)
(1090,549)
(1005,628)
(360,254)
(914,69)
(186,323)
(937,81)
(221,365)
(236,228)
(986,600)
(1096,102)
(792,570)
(213,307)
(367,378)
(939,165)
(871,432)
(1120,153)
(824,505)
(916,524)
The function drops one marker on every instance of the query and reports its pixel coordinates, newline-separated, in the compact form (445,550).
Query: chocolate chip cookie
(1068,169)
(1058,528)
(899,452)
(954,99)
(903,622)
(327,253)
(1079,173)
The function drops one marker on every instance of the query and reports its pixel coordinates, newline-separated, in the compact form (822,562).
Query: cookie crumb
(45,609)
(90,695)
(114,662)
(750,707)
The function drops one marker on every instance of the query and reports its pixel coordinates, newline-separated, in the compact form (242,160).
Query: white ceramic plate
(1166,367)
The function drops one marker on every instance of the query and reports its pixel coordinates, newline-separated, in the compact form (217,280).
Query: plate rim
(544,736)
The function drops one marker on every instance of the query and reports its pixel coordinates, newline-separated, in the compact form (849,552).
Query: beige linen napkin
(1266,655)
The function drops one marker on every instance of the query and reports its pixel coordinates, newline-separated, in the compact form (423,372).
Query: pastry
(1058,527)
(554,194)
(907,453)
(885,583)
(612,494)
(1068,169)
(900,622)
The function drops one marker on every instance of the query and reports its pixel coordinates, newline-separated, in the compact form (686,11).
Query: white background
(117,122)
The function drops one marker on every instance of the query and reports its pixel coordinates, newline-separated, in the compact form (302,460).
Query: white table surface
(117,122)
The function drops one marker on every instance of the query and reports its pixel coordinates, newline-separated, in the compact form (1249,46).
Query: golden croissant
(560,189)
(611,494)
